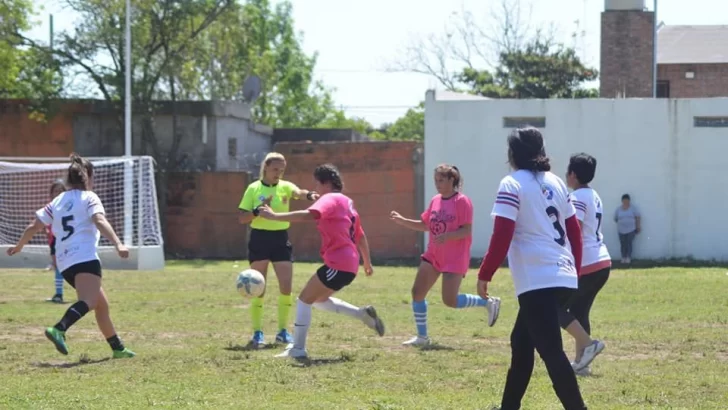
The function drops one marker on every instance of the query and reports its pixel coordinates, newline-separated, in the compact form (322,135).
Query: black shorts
(271,246)
(334,279)
(93,267)
(53,246)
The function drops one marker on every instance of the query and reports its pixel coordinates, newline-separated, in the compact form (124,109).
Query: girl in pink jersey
(342,240)
(448,219)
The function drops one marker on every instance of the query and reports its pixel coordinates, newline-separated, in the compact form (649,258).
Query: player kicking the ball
(77,216)
(342,237)
(449,220)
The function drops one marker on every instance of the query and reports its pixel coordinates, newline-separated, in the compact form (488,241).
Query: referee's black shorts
(271,246)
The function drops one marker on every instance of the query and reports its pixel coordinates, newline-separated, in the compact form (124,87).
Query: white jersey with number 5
(589,211)
(77,237)
(540,255)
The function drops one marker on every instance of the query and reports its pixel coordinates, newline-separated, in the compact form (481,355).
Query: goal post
(126,187)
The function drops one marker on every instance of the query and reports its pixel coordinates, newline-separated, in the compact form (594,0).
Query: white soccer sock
(339,306)
(303,322)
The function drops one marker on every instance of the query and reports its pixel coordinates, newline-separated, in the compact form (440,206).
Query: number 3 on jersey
(553,214)
(67,228)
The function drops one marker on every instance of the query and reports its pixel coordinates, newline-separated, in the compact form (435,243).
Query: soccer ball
(250,283)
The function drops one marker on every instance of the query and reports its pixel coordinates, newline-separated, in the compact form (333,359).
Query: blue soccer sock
(59,282)
(466,300)
(420,311)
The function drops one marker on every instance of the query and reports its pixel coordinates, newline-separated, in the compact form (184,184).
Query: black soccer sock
(72,315)
(115,343)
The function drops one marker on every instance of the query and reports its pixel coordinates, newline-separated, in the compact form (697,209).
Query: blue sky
(357,40)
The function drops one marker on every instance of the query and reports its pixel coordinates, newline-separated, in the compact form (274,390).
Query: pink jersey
(448,215)
(340,229)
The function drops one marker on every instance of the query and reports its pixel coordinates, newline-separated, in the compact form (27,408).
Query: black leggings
(580,304)
(537,327)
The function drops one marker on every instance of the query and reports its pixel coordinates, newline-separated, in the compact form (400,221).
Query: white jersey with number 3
(540,255)
(589,211)
(77,237)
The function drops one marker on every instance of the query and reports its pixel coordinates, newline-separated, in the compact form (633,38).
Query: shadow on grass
(81,362)
(249,347)
(320,362)
(436,346)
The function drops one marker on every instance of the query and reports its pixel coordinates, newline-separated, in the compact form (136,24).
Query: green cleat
(58,338)
(123,354)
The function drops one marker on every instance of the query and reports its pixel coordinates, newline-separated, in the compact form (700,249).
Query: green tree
(27,74)
(258,38)
(504,56)
(163,33)
(409,127)
(338,119)
(540,69)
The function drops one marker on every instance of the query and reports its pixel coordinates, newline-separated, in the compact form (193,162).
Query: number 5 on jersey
(67,227)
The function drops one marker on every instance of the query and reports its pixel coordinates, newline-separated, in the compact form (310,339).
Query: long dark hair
(526,150)
(79,172)
(329,173)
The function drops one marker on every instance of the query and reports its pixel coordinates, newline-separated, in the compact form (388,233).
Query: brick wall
(22,136)
(711,80)
(378,176)
(202,216)
(626,54)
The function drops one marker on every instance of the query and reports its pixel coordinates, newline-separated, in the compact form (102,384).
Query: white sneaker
(493,308)
(418,341)
(590,352)
(371,319)
(628,260)
(293,352)
(583,372)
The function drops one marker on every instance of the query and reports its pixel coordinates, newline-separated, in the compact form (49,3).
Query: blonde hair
(270,157)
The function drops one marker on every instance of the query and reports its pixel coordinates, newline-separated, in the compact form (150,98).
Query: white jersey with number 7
(77,237)
(589,211)
(540,254)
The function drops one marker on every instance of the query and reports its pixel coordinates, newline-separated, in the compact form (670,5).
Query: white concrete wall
(677,174)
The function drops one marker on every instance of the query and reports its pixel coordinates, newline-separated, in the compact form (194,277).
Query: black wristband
(309,195)
(256,211)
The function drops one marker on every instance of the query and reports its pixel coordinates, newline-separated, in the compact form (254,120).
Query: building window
(710,122)
(232,147)
(522,122)
(663,89)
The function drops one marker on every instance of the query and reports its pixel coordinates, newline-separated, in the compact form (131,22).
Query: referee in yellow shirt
(269,241)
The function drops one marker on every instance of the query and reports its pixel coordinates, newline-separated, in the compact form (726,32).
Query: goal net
(126,188)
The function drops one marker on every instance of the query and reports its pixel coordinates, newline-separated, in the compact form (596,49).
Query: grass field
(666,332)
